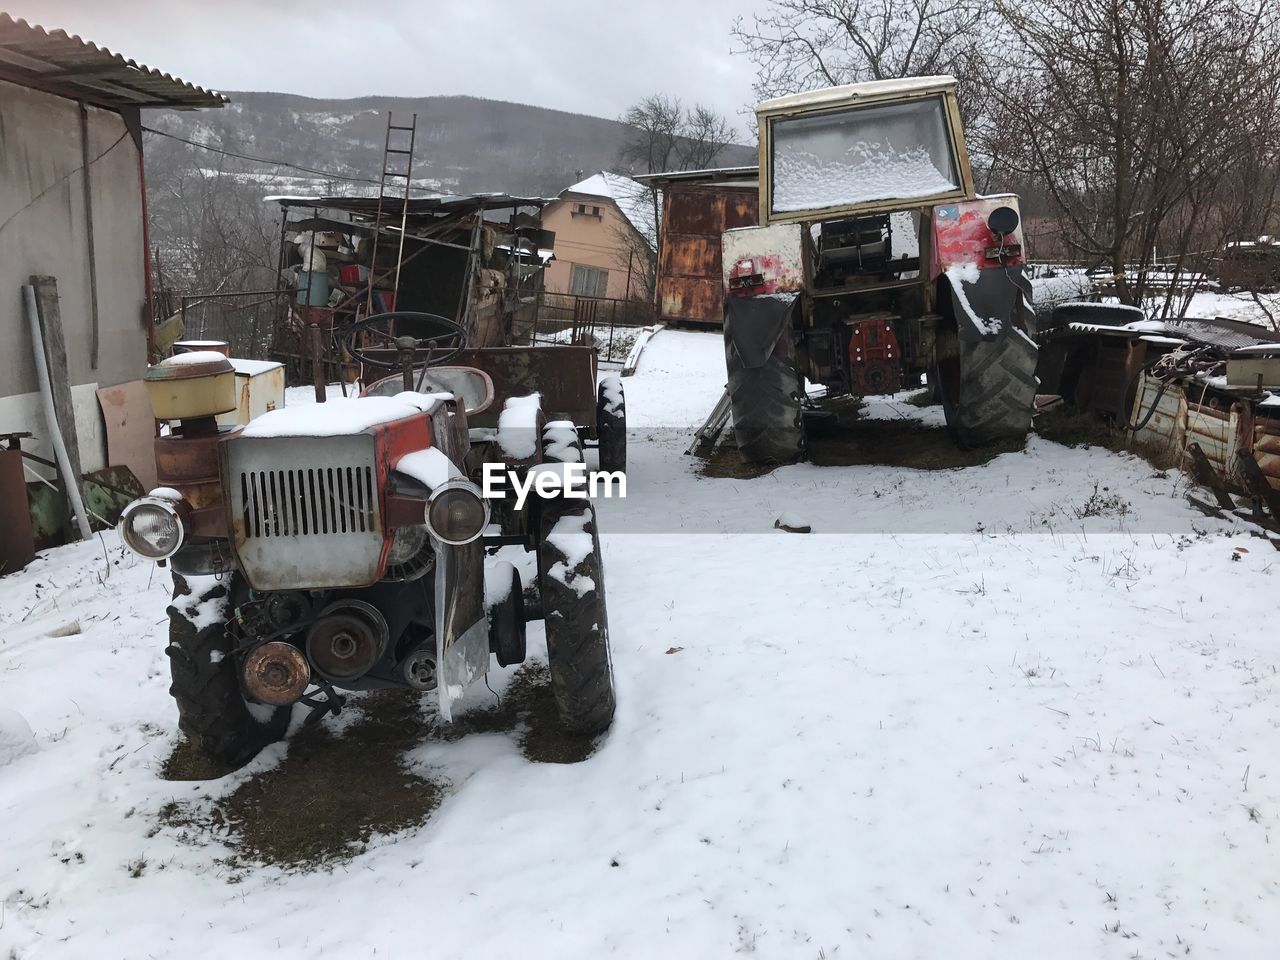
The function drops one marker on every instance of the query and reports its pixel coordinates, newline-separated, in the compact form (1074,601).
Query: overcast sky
(588,57)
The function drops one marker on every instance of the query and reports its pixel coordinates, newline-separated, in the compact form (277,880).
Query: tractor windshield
(839,158)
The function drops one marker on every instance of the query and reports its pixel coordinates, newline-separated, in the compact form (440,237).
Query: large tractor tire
(764,401)
(988,387)
(571,585)
(212,710)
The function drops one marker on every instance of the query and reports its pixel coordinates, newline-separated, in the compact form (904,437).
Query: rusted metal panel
(191,466)
(741,209)
(693,258)
(1164,435)
(1215,432)
(17,542)
(695,210)
(1266,448)
(690,267)
(693,298)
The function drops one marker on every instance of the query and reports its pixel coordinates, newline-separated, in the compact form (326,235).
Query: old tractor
(876,267)
(341,546)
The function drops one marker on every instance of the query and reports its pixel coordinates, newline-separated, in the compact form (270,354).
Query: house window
(583,210)
(588,281)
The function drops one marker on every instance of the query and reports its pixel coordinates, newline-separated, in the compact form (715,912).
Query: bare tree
(214,235)
(703,138)
(655,123)
(1139,119)
(800,45)
(665,135)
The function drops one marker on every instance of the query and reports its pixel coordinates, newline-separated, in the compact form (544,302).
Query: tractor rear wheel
(571,587)
(987,387)
(212,709)
(765,404)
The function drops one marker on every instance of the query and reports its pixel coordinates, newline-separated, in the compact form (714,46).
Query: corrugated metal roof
(368,206)
(64,64)
(710,175)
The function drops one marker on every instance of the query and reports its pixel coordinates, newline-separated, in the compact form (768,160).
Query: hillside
(464,143)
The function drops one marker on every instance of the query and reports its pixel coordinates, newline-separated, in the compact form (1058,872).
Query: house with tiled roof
(606,234)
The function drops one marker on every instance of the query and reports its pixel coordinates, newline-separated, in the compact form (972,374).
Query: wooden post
(88,227)
(55,352)
(317,361)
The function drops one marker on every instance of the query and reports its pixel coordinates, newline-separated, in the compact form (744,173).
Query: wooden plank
(1255,481)
(55,352)
(131,430)
(1206,476)
(87,182)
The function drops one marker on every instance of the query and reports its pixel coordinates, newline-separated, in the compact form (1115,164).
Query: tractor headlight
(456,513)
(152,527)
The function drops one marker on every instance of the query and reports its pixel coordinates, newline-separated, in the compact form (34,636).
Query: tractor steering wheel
(406,332)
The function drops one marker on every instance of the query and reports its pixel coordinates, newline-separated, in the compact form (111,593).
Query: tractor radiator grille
(304,511)
(307,502)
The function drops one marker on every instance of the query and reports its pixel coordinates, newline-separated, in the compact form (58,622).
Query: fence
(246,321)
(613,324)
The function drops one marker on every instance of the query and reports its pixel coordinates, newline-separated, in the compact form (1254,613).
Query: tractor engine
(859,247)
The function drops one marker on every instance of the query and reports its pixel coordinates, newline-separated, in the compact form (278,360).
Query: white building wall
(44,232)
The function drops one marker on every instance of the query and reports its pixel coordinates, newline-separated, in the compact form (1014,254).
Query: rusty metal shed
(697,207)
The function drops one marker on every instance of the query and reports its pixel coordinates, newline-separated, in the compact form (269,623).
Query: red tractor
(340,546)
(876,264)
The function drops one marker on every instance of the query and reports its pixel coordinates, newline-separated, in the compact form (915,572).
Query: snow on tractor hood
(339,418)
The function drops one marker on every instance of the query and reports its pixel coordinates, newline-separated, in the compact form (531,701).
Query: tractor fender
(753,326)
(985,301)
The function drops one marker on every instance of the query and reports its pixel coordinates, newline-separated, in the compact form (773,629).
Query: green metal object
(107,492)
(49,516)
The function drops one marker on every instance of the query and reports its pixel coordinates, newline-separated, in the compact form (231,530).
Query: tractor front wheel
(571,587)
(212,709)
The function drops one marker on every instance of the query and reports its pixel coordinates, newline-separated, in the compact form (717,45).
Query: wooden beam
(1206,476)
(55,352)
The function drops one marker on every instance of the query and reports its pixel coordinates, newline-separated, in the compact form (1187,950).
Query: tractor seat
(472,386)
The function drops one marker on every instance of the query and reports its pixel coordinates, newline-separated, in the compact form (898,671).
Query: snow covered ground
(1264,310)
(1027,708)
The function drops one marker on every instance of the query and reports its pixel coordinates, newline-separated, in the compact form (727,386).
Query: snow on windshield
(864,154)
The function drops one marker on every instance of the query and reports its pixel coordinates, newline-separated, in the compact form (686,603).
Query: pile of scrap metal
(477,259)
(1203,394)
